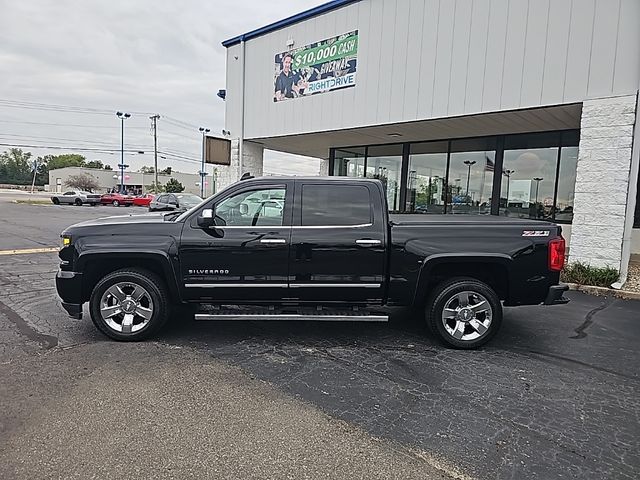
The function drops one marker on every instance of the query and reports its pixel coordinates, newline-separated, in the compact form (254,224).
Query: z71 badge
(535,233)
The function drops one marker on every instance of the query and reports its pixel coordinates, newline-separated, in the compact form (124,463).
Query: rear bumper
(554,296)
(69,287)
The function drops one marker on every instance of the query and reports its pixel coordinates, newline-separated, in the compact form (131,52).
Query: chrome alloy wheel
(467,316)
(126,307)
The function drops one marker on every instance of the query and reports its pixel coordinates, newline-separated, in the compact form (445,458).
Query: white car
(76,197)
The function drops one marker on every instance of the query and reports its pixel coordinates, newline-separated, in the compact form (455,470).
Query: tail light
(556,254)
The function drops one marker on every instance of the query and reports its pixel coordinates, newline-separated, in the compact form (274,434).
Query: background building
(133,181)
(500,107)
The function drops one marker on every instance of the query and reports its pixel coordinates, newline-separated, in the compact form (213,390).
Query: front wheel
(116,203)
(465,313)
(129,304)
(55,201)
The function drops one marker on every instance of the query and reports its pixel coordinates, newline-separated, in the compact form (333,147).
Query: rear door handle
(273,241)
(366,242)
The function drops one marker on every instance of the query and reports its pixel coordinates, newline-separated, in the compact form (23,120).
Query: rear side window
(327,205)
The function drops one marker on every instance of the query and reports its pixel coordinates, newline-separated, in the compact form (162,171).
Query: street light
(122,116)
(468,163)
(203,173)
(508,173)
(537,180)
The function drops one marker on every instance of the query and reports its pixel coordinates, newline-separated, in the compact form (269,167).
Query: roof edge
(312,12)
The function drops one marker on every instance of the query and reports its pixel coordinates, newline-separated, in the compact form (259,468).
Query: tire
(77,202)
(460,326)
(55,201)
(115,203)
(113,299)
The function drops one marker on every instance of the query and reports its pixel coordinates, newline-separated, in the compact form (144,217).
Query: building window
(385,164)
(349,163)
(471,168)
(427,177)
(536,179)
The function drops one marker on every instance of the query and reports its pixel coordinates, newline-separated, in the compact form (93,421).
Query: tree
(82,181)
(94,164)
(153,188)
(173,186)
(147,169)
(166,171)
(108,167)
(16,167)
(66,160)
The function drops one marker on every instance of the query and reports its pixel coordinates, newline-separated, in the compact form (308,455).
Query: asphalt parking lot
(554,395)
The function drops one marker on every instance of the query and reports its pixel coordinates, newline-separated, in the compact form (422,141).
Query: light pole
(537,180)
(508,173)
(122,116)
(468,163)
(203,173)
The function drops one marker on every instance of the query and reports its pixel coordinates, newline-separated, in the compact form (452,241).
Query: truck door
(245,256)
(338,242)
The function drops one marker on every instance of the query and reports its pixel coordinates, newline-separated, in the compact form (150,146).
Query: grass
(587,275)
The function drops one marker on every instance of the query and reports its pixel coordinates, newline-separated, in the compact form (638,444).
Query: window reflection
(349,163)
(427,174)
(566,184)
(528,180)
(385,164)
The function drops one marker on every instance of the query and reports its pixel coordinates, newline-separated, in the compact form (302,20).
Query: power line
(63,124)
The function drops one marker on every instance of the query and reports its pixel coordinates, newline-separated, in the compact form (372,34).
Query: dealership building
(517,108)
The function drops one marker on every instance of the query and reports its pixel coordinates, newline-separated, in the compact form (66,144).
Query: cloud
(142,56)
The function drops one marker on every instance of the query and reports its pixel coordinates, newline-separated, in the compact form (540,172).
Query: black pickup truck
(307,249)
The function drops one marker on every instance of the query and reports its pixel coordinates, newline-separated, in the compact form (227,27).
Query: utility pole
(203,172)
(154,125)
(122,116)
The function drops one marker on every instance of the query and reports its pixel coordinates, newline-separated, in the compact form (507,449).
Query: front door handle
(366,242)
(273,241)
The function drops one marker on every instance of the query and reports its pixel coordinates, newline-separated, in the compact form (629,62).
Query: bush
(587,275)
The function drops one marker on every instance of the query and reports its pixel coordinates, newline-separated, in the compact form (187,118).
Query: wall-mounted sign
(217,151)
(317,68)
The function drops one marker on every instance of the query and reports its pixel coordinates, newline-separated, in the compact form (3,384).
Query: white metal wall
(421,59)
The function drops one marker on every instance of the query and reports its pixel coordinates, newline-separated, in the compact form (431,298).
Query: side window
(69,193)
(328,205)
(171,199)
(262,207)
(162,199)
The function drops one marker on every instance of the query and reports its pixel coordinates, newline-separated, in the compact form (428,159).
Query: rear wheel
(464,312)
(129,304)
(115,203)
(78,202)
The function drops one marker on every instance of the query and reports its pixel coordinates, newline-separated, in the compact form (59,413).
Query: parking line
(23,251)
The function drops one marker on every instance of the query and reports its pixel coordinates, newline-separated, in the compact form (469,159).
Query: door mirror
(244,209)
(205,219)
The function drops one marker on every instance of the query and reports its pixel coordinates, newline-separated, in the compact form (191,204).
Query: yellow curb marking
(29,250)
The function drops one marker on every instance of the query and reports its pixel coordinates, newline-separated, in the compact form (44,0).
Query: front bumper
(69,287)
(92,201)
(554,296)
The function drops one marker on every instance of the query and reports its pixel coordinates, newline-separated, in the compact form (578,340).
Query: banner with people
(317,68)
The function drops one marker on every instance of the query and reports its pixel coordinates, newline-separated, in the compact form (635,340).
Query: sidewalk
(633,278)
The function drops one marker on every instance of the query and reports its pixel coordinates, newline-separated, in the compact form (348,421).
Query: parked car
(332,253)
(174,201)
(143,200)
(76,197)
(116,199)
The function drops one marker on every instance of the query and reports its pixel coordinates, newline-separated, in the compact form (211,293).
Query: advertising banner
(317,68)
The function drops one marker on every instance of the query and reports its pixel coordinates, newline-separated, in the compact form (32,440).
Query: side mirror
(205,219)
(244,209)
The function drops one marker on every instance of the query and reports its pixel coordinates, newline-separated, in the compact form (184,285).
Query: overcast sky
(144,56)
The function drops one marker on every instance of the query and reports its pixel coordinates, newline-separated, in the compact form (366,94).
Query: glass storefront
(536,180)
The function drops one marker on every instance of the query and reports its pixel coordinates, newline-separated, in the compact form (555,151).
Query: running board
(293,316)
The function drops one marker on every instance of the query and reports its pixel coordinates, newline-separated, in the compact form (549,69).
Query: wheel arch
(492,269)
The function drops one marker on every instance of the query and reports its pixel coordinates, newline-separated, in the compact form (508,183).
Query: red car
(116,199)
(143,200)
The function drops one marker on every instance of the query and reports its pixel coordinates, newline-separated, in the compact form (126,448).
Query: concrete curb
(604,291)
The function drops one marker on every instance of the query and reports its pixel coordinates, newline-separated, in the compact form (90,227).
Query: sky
(67,66)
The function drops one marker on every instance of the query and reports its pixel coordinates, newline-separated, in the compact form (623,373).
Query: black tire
(154,287)
(78,202)
(115,203)
(55,201)
(447,294)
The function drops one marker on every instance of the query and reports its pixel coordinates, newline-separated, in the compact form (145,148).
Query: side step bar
(293,316)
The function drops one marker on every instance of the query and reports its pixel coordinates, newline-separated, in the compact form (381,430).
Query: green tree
(66,160)
(94,164)
(166,171)
(153,188)
(16,167)
(173,186)
(82,181)
(108,167)
(147,169)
